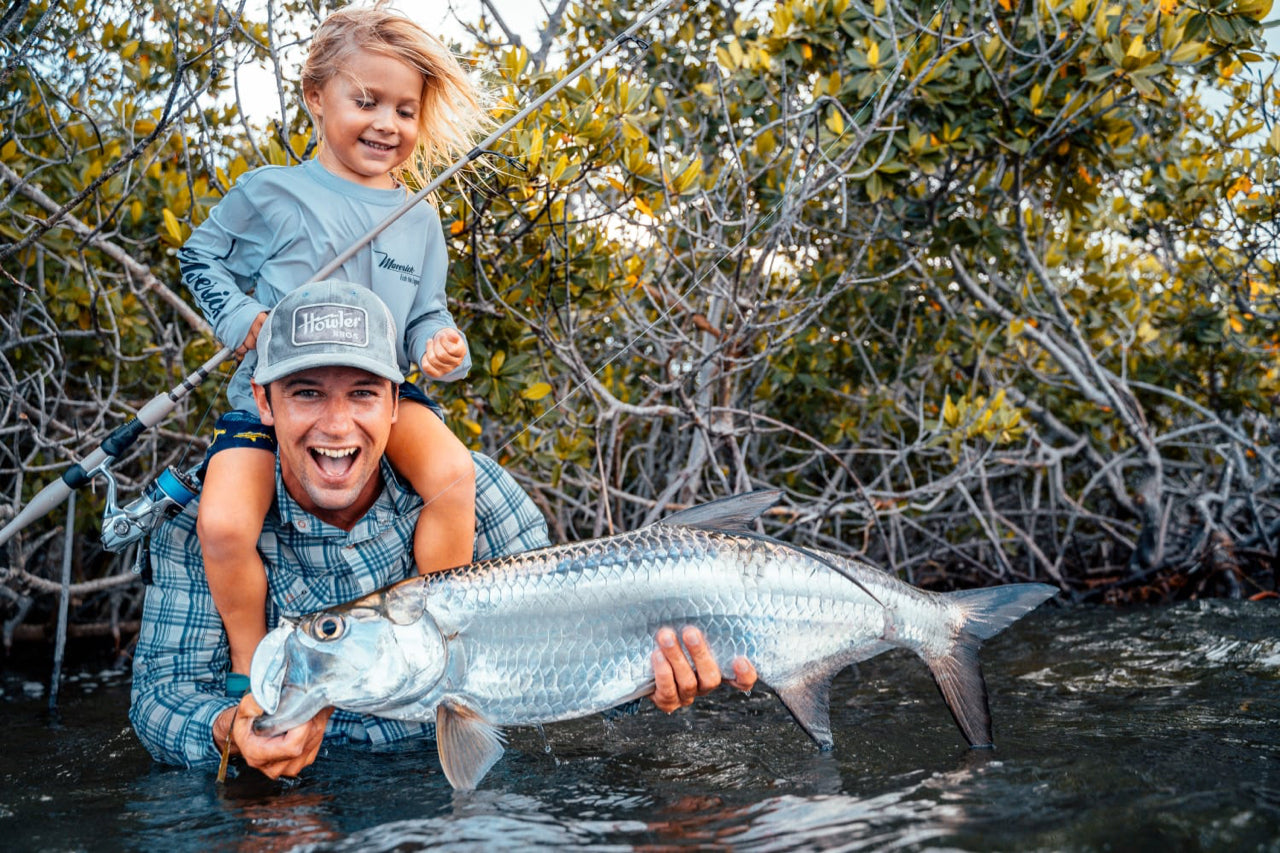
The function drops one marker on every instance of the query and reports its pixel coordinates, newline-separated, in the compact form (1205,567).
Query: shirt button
(301,524)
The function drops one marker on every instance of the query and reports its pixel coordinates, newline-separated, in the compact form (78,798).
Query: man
(334,533)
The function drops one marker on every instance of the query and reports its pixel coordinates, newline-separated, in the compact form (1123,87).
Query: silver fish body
(567,631)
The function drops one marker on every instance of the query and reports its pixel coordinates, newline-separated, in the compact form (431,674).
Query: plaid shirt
(182,659)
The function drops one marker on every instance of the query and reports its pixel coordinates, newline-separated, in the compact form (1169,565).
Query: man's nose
(336,417)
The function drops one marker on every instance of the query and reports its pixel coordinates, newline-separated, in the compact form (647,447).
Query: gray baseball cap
(328,324)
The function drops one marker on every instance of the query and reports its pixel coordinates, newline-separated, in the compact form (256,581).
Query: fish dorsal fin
(733,513)
(468,744)
(809,701)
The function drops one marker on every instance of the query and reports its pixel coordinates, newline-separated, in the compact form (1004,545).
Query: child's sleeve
(430,311)
(220,262)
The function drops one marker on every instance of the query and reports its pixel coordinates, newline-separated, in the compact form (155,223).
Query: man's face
(332,425)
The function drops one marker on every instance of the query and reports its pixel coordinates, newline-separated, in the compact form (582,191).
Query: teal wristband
(237,684)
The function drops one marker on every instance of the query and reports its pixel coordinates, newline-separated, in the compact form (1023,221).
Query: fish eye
(328,627)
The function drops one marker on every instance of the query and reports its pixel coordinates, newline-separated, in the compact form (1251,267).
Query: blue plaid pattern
(182,659)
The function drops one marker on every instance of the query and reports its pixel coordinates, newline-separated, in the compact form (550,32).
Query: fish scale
(764,609)
(568,631)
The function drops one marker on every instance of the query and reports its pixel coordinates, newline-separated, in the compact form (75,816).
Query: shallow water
(1128,730)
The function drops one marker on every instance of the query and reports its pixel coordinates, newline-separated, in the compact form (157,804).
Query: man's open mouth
(334,461)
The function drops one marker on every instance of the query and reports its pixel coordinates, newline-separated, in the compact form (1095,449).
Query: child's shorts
(241,428)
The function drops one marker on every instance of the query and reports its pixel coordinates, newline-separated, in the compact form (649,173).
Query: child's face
(368,118)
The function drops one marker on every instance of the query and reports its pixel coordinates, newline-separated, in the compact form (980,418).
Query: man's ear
(395,402)
(264,403)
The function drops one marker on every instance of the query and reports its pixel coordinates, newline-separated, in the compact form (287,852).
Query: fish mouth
(267,672)
(295,707)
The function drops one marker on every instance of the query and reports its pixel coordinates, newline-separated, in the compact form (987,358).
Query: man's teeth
(334,453)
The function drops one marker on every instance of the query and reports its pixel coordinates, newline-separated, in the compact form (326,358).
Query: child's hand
(445,351)
(251,339)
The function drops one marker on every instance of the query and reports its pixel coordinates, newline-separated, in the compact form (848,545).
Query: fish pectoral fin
(468,744)
(809,702)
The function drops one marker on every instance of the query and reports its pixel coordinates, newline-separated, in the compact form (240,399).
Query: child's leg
(441,471)
(238,488)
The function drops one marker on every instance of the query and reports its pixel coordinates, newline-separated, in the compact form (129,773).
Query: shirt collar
(393,501)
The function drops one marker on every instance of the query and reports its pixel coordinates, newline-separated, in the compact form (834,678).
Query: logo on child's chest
(406,272)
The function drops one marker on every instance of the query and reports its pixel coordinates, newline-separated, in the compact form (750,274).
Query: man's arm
(181,662)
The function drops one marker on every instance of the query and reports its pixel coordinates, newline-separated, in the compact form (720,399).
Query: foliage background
(987,287)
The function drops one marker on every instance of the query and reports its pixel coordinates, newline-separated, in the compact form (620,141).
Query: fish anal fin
(959,679)
(734,513)
(468,744)
(809,701)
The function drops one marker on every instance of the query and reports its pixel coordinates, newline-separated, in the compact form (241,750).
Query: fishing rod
(173,489)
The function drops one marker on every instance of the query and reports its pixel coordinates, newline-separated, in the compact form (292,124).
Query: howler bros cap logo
(327,323)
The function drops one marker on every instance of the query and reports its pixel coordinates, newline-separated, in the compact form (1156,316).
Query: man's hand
(280,755)
(251,339)
(445,351)
(678,683)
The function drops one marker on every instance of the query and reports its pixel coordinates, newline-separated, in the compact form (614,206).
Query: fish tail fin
(958,674)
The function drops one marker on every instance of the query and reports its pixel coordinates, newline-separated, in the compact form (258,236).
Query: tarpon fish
(567,631)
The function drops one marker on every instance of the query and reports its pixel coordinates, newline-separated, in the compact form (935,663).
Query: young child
(387,100)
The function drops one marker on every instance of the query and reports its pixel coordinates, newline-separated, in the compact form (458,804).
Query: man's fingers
(744,674)
(664,696)
(686,681)
(704,664)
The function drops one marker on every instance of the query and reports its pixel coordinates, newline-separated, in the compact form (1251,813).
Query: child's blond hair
(450,113)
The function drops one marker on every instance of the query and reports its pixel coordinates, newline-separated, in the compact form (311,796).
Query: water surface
(1154,729)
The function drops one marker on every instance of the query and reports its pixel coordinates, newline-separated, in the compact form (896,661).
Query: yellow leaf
(457,227)
(1236,325)
(536,391)
(561,164)
(644,208)
(135,210)
(950,414)
(873,55)
(172,226)
(495,363)
(535,150)
(835,122)
(1168,6)
(616,184)
(1187,52)
(687,176)
(6,153)
(472,426)
(1007,5)
(1242,184)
